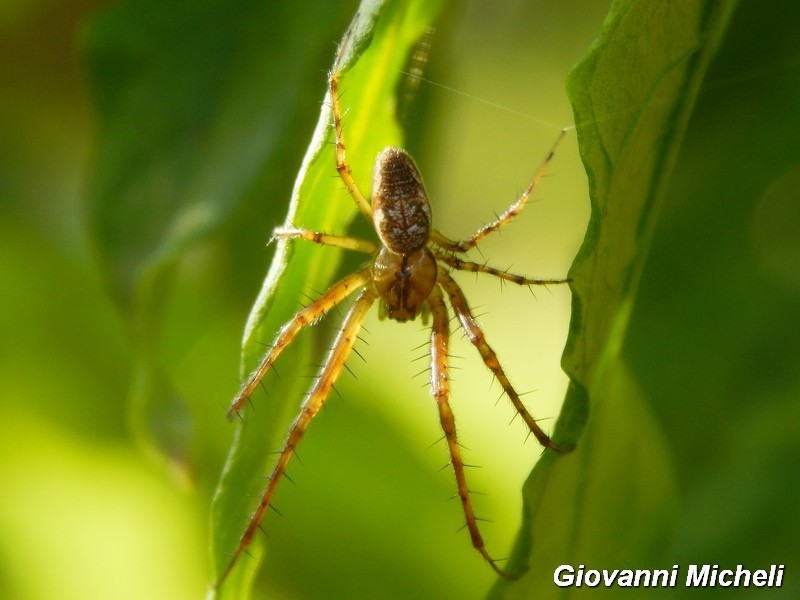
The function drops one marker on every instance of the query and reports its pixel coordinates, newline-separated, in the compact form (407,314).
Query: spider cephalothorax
(409,274)
(403,281)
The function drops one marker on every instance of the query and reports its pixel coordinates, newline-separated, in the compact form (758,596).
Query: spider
(408,275)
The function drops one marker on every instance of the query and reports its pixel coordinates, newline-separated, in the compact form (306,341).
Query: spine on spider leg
(440,388)
(464,265)
(440,336)
(307,316)
(312,404)
(340,150)
(516,208)
(512,211)
(478,339)
(507,215)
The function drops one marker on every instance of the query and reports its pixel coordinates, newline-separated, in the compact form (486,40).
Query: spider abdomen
(401,212)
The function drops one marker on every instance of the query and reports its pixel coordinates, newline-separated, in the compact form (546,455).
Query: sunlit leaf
(612,499)
(381,37)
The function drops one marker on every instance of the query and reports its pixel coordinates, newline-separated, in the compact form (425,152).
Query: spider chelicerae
(408,275)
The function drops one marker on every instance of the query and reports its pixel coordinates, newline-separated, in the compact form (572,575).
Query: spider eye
(404,281)
(401,212)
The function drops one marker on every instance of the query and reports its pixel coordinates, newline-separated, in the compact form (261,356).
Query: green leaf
(381,37)
(612,500)
(172,163)
(196,104)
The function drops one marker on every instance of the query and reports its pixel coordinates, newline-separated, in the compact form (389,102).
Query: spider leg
(311,313)
(506,216)
(341,162)
(313,402)
(440,389)
(340,241)
(463,265)
(478,339)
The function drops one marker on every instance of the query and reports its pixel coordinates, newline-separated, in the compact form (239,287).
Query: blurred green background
(89,509)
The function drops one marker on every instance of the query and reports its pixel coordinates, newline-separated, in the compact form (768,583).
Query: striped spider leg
(408,274)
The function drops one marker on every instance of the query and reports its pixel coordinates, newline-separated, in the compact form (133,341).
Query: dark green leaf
(197,102)
(613,498)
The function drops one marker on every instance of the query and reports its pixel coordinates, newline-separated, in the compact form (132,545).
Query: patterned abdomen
(401,212)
